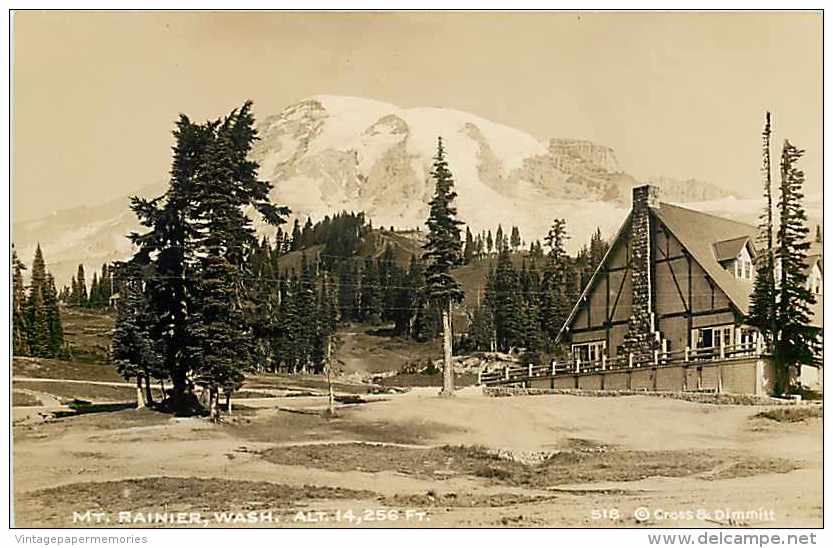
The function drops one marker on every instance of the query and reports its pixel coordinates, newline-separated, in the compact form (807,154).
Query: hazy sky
(682,95)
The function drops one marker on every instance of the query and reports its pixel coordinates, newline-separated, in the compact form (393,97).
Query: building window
(814,284)
(590,351)
(711,337)
(743,268)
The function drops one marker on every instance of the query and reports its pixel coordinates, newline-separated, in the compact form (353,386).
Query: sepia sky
(678,94)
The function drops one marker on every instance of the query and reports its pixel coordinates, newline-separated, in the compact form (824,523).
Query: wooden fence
(521,373)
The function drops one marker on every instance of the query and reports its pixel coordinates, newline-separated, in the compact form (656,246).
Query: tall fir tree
(506,304)
(500,240)
(763,309)
(94,299)
(226,185)
(442,253)
(20,328)
(296,236)
(469,248)
(371,294)
(197,247)
(36,310)
(515,239)
(559,282)
(82,297)
(796,341)
(52,316)
(132,348)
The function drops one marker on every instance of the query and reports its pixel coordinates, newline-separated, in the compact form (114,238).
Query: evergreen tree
(82,297)
(36,319)
(442,253)
(94,297)
(308,326)
(225,186)
(73,296)
(468,250)
(166,254)
(481,331)
(52,317)
(795,340)
(39,326)
(306,233)
(20,328)
(506,304)
(404,304)
(105,285)
(559,282)
(347,301)
(371,295)
(489,242)
(296,236)
(198,250)
(598,249)
(515,239)
(763,310)
(500,242)
(133,349)
(479,246)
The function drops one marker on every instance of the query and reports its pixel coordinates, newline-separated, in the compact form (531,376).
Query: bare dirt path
(133,445)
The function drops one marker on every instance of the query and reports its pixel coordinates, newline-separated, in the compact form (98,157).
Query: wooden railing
(516,373)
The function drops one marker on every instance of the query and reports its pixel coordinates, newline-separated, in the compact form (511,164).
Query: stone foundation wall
(642,379)
(617,381)
(590,382)
(671,378)
(743,376)
(692,378)
(565,382)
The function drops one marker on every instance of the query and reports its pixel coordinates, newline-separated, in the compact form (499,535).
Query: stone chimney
(642,337)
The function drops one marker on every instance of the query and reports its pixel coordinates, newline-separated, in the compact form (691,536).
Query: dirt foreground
(415,460)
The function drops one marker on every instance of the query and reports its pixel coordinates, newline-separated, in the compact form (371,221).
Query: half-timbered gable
(694,278)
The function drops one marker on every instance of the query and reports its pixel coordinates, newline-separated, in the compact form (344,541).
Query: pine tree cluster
(781,300)
(193,263)
(483,245)
(101,290)
(525,307)
(37,329)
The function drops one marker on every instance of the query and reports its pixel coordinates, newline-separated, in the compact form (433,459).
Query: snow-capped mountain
(330,153)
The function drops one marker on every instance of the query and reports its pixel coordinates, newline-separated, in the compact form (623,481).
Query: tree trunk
(180,384)
(228,402)
(140,395)
(448,368)
(148,390)
(213,410)
(331,399)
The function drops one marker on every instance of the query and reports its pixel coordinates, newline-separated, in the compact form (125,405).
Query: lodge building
(674,281)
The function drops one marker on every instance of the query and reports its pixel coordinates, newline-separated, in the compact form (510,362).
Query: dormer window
(743,266)
(736,255)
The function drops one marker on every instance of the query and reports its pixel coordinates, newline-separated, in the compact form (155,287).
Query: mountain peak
(329,153)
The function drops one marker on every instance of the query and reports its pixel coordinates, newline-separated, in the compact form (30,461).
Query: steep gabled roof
(698,233)
(701,234)
(729,249)
(592,281)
